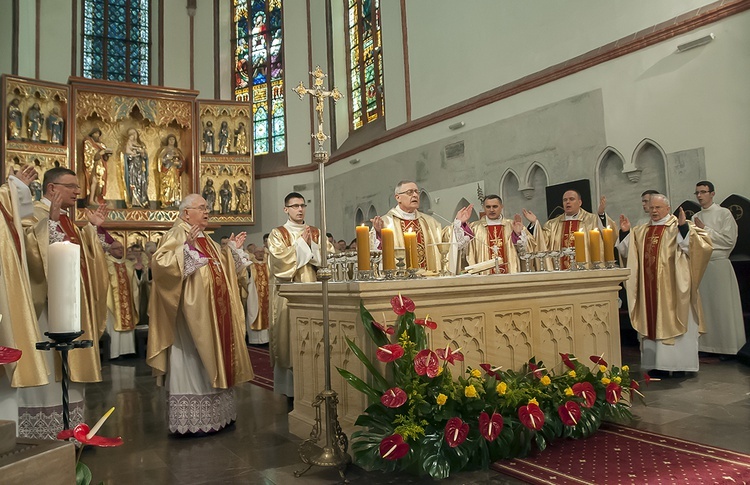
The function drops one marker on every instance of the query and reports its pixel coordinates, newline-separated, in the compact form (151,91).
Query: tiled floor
(712,408)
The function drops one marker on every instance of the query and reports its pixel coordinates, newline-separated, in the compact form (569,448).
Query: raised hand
(55,205)
(192,235)
(517,224)
(698,222)
(97,217)
(27,174)
(377,224)
(602,205)
(681,217)
(530,216)
(464,214)
(239,239)
(624,223)
(307,235)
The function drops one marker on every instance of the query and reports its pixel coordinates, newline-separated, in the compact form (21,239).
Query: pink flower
(566,360)
(613,392)
(456,432)
(586,391)
(389,353)
(393,398)
(531,416)
(449,355)
(426,362)
(490,427)
(535,369)
(570,413)
(634,385)
(393,447)
(402,304)
(426,322)
(88,436)
(9,355)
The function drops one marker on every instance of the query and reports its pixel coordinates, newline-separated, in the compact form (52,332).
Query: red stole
(71,234)
(496,238)
(650,271)
(416,227)
(124,297)
(261,284)
(568,240)
(12,229)
(222,305)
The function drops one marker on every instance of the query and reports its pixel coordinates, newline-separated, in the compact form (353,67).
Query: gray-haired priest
(197,324)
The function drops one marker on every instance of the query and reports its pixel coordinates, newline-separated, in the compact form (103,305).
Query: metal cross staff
(319,94)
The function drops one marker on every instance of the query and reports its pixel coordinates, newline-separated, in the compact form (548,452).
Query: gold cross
(319,94)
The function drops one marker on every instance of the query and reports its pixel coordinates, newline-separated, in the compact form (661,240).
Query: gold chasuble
(429,234)
(84,363)
(557,233)
(260,276)
(663,284)
(487,236)
(18,328)
(121,298)
(207,303)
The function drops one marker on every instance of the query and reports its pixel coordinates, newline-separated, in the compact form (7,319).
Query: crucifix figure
(319,94)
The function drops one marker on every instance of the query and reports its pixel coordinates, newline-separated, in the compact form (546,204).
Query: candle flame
(99,423)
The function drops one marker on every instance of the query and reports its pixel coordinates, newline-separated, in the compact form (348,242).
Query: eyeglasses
(296,206)
(701,192)
(408,192)
(202,208)
(70,186)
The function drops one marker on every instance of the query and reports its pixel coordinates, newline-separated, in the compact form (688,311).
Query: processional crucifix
(333,454)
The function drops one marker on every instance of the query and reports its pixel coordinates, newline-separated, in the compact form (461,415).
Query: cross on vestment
(319,94)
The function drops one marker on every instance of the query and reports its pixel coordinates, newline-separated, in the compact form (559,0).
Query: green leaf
(381,384)
(432,456)
(83,474)
(376,335)
(359,384)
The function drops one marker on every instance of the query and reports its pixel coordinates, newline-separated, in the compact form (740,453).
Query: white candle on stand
(64,287)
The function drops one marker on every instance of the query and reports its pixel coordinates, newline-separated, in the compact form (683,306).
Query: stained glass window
(259,70)
(116,40)
(365,61)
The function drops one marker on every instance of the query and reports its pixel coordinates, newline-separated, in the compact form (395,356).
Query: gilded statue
(95,156)
(55,126)
(135,165)
(225,196)
(15,119)
(34,122)
(171,165)
(208,138)
(224,138)
(240,139)
(209,193)
(242,192)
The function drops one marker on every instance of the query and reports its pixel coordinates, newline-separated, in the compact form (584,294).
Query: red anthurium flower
(531,416)
(393,397)
(393,447)
(570,413)
(389,330)
(567,361)
(426,322)
(402,304)
(490,427)
(9,355)
(536,370)
(490,370)
(597,359)
(456,432)
(613,392)
(389,353)
(88,436)
(426,362)
(586,391)
(450,355)
(634,385)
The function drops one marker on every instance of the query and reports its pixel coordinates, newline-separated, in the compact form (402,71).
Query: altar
(503,320)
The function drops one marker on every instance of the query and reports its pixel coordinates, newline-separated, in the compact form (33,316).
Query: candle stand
(596,265)
(611,264)
(64,342)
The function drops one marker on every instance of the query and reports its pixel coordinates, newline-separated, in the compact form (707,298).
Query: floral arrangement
(423,421)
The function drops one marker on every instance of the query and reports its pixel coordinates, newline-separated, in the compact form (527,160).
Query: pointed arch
(510,192)
(531,175)
(371,212)
(425,203)
(465,203)
(612,179)
(359,217)
(650,161)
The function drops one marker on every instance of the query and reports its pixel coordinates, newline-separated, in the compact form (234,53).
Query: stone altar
(500,319)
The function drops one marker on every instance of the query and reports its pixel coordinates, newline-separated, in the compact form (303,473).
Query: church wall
(203,49)
(6,36)
(55,40)
(393,64)
(27,40)
(177,47)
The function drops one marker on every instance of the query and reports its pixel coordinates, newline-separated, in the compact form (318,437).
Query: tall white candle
(64,287)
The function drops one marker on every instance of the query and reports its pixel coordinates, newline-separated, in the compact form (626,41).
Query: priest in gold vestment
(406,217)
(122,298)
(557,233)
(667,258)
(40,408)
(494,233)
(294,255)
(18,324)
(258,321)
(196,335)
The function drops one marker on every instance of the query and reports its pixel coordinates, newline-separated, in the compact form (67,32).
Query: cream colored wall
(177,46)
(55,40)
(203,49)
(27,39)
(6,36)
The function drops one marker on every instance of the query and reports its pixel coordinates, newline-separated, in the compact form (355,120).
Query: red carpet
(622,455)
(261,361)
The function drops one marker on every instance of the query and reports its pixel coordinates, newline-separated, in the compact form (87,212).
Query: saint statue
(240,139)
(242,192)
(15,119)
(208,138)
(224,138)
(36,190)
(171,165)
(225,196)
(55,125)
(135,164)
(209,193)
(34,122)
(95,156)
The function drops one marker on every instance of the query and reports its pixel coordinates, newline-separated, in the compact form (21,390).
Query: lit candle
(608,236)
(363,248)
(410,244)
(64,287)
(595,245)
(580,245)
(386,237)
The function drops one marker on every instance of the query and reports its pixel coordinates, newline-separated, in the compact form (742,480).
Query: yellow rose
(603,368)
(572,373)
(470,391)
(441,399)
(617,379)
(546,381)
(440,370)
(568,391)
(625,368)
(476,373)
(501,388)
(533,401)
(605,380)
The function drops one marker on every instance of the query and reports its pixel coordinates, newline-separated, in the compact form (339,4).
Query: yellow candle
(608,236)
(389,260)
(595,245)
(580,245)
(410,245)
(363,248)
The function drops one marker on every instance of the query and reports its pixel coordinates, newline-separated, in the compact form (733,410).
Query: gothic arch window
(116,40)
(259,70)
(359,217)
(365,62)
